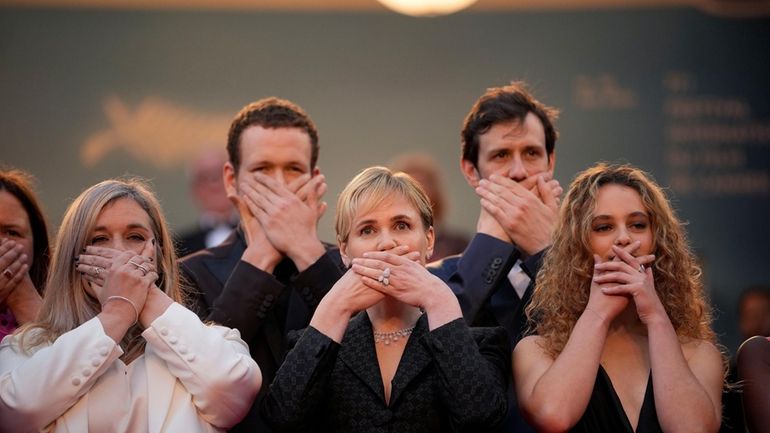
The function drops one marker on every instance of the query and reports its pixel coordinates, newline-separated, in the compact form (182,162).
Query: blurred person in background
(427,172)
(217,217)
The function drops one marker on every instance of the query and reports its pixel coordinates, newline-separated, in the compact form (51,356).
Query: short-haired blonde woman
(623,339)
(406,361)
(112,349)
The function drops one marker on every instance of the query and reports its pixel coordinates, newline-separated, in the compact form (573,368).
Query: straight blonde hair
(67,304)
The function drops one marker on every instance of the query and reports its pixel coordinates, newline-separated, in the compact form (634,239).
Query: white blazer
(191,378)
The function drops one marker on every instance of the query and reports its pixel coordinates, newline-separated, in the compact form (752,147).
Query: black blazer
(263,307)
(453,378)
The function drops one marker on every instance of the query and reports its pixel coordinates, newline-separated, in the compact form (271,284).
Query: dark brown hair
(270,113)
(504,104)
(19,184)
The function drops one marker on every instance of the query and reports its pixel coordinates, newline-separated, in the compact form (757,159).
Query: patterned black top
(453,378)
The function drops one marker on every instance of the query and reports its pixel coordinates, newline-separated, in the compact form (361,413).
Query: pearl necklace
(393,336)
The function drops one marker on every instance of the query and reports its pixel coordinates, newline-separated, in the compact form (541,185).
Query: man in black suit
(508,157)
(269,275)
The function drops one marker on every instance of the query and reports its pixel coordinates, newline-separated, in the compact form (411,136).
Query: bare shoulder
(529,343)
(696,350)
(530,349)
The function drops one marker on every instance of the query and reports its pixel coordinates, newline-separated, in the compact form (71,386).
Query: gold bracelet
(123,298)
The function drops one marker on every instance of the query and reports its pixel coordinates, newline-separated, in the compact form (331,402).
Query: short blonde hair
(370,188)
(67,304)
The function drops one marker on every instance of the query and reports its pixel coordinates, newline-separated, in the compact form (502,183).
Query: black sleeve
(296,395)
(474,366)
(314,282)
(478,273)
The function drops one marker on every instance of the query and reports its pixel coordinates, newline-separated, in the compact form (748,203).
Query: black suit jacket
(450,379)
(479,278)
(263,307)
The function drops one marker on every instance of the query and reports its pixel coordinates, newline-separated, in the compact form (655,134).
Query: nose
(623,237)
(517,171)
(279,176)
(386,241)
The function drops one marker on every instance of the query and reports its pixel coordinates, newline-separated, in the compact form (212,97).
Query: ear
(431,237)
(470,172)
(552,162)
(231,179)
(344,253)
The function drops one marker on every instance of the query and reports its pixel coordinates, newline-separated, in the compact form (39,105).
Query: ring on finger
(641,268)
(7,273)
(140,267)
(97,270)
(385,281)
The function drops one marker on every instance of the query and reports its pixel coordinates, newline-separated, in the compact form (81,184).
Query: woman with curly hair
(623,339)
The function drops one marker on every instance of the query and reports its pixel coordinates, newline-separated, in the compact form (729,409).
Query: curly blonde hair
(563,283)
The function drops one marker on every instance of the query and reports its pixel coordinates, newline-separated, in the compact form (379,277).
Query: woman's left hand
(632,278)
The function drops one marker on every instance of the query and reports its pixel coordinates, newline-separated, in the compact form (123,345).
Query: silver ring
(385,281)
(386,273)
(139,266)
(97,270)
(7,273)
(641,268)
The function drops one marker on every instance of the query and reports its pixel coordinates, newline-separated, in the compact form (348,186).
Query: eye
(401,225)
(13,233)
(502,154)
(98,239)
(136,237)
(297,169)
(639,226)
(367,230)
(532,153)
(602,228)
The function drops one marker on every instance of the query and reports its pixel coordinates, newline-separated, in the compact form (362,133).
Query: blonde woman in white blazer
(113,350)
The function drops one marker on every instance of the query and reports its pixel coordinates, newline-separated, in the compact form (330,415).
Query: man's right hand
(259,252)
(526,217)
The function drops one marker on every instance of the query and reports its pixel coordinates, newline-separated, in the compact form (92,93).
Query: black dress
(605,413)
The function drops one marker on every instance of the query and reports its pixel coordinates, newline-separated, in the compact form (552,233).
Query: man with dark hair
(508,157)
(269,275)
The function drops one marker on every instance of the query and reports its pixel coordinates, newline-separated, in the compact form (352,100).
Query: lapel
(228,255)
(415,358)
(160,386)
(358,353)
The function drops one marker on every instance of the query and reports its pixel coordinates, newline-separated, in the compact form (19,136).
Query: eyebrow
(632,214)
(130,226)
(394,218)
